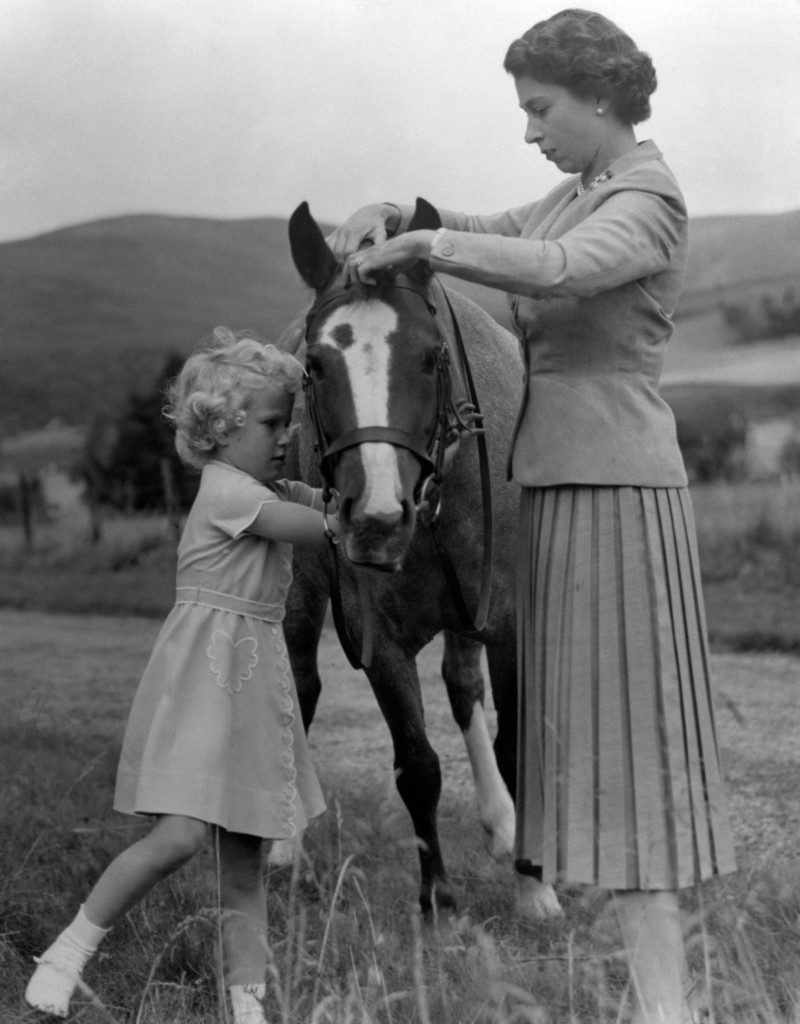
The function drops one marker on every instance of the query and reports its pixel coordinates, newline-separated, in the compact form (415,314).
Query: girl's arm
(291,523)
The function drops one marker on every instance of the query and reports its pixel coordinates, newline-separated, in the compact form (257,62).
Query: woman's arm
(374,223)
(291,523)
(629,236)
(379,221)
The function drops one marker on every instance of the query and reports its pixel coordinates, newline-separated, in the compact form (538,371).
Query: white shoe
(50,988)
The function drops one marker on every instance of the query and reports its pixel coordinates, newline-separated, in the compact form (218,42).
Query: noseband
(430,455)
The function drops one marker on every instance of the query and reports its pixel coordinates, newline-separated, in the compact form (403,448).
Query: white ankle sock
(247,1004)
(61,965)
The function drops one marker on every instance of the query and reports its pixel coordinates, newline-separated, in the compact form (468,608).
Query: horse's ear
(426,217)
(310,252)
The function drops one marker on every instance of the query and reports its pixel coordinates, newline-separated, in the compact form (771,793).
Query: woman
(619,783)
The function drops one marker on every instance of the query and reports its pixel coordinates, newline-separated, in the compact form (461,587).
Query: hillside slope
(89,313)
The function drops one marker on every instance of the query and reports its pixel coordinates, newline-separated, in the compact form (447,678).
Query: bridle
(431,458)
(430,455)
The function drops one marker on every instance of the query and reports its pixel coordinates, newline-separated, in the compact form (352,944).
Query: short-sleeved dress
(619,780)
(215,731)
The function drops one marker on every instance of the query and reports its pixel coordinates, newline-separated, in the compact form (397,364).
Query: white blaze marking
(367,362)
(495,806)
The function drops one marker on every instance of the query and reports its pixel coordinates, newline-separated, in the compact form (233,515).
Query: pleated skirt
(619,779)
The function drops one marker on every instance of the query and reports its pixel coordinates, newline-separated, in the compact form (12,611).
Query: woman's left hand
(394,254)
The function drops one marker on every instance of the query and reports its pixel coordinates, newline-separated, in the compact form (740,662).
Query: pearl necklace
(602,177)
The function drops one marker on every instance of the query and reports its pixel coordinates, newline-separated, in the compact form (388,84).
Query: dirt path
(82,670)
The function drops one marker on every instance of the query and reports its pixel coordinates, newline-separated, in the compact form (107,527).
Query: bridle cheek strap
(430,456)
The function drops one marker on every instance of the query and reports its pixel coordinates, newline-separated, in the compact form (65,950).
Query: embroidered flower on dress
(289,791)
(232,662)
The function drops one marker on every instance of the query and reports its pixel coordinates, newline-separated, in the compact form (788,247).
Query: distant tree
(790,457)
(711,434)
(783,315)
(770,316)
(132,460)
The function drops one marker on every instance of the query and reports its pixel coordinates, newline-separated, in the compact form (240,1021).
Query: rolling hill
(90,312)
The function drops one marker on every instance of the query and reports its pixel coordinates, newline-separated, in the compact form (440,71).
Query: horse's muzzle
(379,540)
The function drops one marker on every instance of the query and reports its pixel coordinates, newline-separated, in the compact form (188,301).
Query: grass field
(346,942)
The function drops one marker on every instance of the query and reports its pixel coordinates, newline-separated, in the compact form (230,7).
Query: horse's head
(375,364)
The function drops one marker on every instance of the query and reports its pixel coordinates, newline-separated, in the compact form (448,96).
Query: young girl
(214,735)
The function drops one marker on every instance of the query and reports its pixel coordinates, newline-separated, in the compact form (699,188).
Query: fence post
(170,498)
(93,505)
(26,508)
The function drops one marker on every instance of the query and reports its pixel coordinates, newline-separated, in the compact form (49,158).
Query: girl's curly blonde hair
(211,394)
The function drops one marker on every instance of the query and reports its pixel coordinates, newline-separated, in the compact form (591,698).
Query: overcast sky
(241,108)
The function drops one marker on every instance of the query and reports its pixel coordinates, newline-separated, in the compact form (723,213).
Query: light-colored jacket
(593,282)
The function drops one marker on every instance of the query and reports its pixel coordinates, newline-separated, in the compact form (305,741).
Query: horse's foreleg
(418,776)
(461,671)
(535,900)
(306,604)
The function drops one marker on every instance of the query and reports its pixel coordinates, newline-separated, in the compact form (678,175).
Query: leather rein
(431,458)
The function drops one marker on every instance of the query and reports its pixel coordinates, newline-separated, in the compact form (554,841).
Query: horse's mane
(293,337)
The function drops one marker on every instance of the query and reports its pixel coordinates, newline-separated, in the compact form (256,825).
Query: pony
(373,437)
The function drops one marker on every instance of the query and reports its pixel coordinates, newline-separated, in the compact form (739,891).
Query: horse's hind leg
(394,680)
(461,671)
(306,604)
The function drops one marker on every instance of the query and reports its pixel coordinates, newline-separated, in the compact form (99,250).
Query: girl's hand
(368,224)
(393,254)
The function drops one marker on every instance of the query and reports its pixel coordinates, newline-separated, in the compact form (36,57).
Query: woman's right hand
(371,223)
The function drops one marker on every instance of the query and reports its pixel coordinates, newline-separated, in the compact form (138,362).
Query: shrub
(125,459)
(711,436)
(790,457)
(769,316)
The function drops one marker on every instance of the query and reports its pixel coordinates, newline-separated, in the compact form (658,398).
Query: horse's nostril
(385,520)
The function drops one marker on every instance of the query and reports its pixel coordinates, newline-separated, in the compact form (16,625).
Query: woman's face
(567,128)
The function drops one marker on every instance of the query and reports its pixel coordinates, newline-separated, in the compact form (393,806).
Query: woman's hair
(211,394)
(587,54)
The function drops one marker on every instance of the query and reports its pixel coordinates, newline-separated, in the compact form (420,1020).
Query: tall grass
(131,570)
(747,517)
(749,541)
(749,538)
(346,944)
(66,541)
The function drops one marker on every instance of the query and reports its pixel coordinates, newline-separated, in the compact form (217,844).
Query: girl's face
(567,128)
(258,446)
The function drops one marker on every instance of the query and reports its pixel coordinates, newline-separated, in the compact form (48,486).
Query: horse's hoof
(499,839)
(536,901)
(445,930)
(697,1003)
